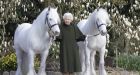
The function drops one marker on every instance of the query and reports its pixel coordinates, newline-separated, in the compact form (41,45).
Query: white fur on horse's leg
(102,70)
(31,56)
(82,56)
(83,62)
(43,63)
(87,60)
(92,63)
(19,60)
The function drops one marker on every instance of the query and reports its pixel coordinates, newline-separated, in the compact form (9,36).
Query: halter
(47,20)
(98,26)
(50,26)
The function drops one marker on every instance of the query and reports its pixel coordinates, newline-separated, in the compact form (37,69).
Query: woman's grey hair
(69,15)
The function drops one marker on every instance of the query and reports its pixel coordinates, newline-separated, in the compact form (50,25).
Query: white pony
(35,38)
(95,29)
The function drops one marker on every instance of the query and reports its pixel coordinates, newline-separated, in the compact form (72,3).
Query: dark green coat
(69,51)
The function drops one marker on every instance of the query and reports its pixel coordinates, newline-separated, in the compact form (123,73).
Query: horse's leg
(82,56)
(31,56)
(92,62)
(25,64)
(43,62)
(19,61)
(82,61)
(87,61)
(102,70)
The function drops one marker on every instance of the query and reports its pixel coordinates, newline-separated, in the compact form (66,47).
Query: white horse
(35,38)
(95,29)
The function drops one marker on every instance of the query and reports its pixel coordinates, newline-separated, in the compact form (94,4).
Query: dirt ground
(119,71)
(123,73)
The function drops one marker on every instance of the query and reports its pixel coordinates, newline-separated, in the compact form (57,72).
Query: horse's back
(23,26)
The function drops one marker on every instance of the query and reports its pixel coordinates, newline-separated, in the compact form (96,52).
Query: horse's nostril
(57,33)
(103,33)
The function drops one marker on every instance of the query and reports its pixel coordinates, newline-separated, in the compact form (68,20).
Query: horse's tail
(13,46)
(15,34)
(21,27)
(17,30)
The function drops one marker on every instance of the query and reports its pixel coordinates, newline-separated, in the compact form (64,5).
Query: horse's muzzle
(56,33)
(103,33)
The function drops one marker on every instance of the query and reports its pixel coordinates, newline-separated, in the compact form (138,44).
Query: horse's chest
(40,44)
(96,42)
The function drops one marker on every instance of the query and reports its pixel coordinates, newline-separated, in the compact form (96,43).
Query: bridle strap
(46,17)
(50,27)
(47,20)
(53,25)
(96,34)
(98,26)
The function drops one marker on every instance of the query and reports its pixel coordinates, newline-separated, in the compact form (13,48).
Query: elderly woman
(69,52)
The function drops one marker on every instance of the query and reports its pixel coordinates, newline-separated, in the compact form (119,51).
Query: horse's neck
(39,29)
(39,25)
(40,20)
(90,26)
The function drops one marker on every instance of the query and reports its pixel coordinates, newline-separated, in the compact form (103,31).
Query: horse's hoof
(42,73)
(103,73)
(81,73)
(30,73)
(86,73)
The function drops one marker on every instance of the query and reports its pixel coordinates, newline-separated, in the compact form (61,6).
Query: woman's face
(67,20)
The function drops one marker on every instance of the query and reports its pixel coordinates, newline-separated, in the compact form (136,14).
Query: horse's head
(53,21)
(102,21)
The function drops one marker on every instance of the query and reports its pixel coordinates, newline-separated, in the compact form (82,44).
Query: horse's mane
(99,13)
(103,14)
(41,17)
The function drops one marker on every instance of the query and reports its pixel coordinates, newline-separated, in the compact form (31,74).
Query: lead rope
(52,38)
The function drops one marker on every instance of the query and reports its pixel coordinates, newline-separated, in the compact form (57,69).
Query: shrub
(129,62)
(8,62)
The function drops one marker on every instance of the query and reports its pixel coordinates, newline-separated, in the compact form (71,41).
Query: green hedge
(8,62)
(129,62)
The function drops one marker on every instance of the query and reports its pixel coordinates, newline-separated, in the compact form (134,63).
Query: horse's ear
(56,8)
(49,8)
